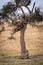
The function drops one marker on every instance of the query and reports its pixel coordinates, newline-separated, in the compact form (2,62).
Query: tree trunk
(24,52)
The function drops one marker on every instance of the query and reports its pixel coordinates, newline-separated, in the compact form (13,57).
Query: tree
(21,24)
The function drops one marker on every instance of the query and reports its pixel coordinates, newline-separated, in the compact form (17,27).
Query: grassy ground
(16,60)
(9,48)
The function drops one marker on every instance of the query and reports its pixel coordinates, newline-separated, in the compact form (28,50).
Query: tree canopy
(10,8)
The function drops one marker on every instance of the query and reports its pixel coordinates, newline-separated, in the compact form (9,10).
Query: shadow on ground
(16,60)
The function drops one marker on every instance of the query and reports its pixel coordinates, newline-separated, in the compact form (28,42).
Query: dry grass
(10,49)
(33,39)
(16,60)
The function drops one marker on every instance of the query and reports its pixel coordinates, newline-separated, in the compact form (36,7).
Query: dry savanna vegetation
(20,45)
(33,40)
(10,49)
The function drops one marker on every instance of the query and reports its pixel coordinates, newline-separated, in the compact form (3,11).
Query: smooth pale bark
(24,52)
